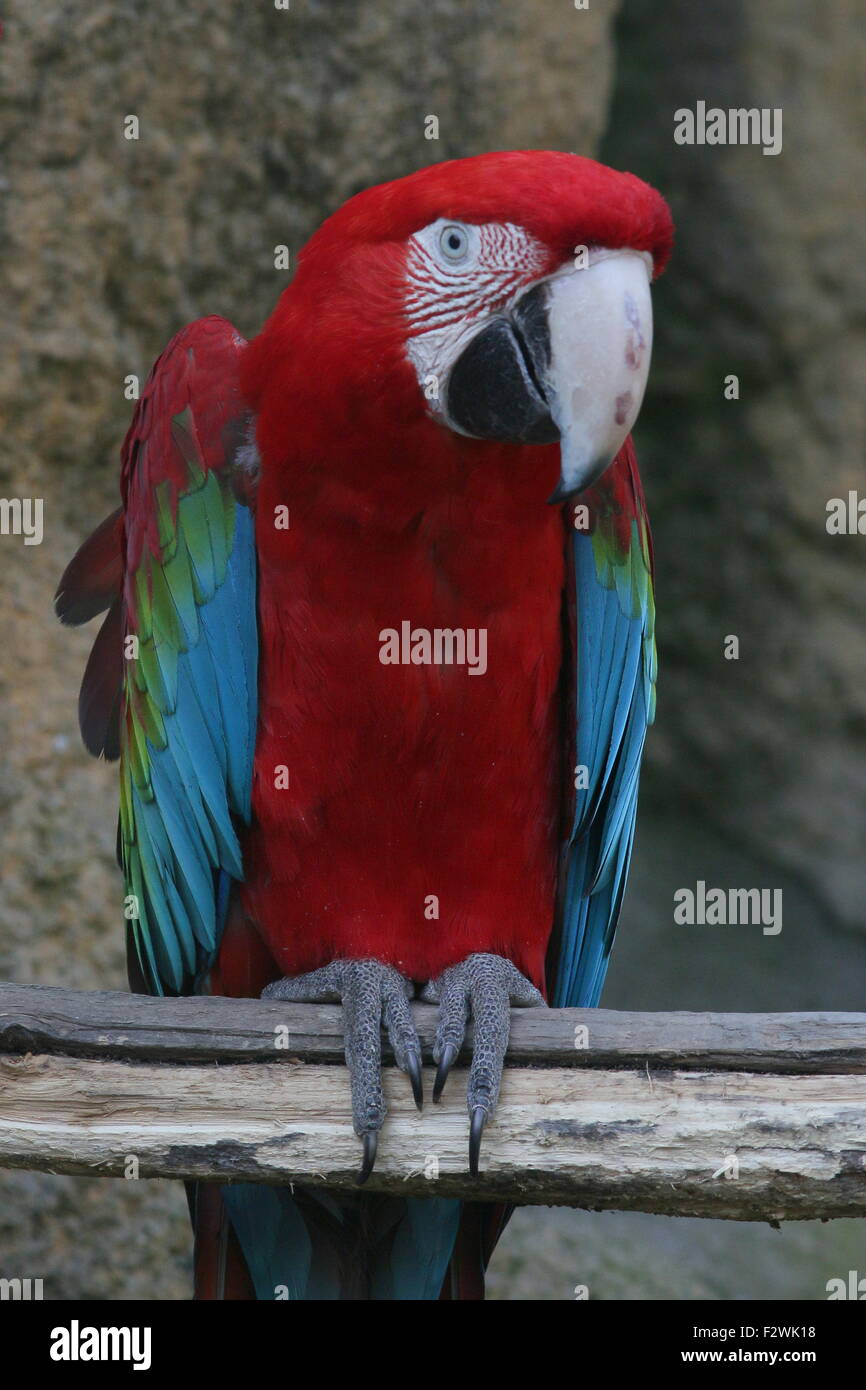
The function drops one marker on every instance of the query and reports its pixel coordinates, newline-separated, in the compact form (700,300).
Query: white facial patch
(454,283)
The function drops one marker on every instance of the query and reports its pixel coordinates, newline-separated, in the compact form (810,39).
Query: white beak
(600,326)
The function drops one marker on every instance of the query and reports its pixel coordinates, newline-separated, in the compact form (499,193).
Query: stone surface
(767,282)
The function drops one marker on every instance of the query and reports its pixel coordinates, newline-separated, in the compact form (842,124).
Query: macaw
(325,792)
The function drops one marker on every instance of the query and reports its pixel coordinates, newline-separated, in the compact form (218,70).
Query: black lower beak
(494,389)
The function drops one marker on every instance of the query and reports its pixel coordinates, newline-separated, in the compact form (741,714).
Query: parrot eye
(454,243)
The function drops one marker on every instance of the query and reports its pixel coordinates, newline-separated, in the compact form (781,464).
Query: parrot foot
(486,986)
(371,993)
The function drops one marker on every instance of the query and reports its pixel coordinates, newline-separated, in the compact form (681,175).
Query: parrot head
(503,297)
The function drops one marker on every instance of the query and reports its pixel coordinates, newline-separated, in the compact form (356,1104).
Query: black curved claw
(370,1142)
(476,1129)
(446,1062)
(413,1070)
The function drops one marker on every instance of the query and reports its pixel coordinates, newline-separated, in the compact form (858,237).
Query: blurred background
(254,124)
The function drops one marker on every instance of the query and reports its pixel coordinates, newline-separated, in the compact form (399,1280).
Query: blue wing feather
(188,735)
(614,685)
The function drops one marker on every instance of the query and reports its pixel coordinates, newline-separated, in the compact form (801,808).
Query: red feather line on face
(439,297)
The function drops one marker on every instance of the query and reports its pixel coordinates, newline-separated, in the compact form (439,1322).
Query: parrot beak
(569,361)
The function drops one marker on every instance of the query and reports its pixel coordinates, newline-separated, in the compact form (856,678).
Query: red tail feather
(92,579)
(102,688)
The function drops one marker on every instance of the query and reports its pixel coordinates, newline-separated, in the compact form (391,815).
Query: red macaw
(379,707)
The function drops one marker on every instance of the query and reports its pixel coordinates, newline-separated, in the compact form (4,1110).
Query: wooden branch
(648,1116)
(135,1027)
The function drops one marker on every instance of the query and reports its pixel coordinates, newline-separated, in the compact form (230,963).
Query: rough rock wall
(767,283)
(254,123)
